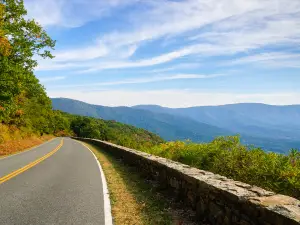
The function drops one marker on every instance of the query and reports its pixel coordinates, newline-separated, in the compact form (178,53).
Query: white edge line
(107,207)
(27,150)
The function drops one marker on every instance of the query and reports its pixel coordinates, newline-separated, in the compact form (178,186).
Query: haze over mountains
(274,128)
(254,119)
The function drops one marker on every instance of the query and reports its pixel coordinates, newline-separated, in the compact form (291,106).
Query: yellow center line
(30,165)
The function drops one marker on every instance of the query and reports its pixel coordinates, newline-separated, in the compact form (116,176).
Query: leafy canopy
(4,43)
(21,41)
(26,37)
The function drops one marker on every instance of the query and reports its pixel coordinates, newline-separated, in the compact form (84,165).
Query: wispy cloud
(275,59)
(197,49)
(51,79)
(72,13)
(112,64)
(52,65)
(164,58)
(180,66)
(82,54)
(146,80)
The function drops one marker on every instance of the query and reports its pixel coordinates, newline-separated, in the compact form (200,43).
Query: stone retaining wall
(221,200)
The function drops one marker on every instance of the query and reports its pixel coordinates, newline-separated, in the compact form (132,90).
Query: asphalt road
(65,188)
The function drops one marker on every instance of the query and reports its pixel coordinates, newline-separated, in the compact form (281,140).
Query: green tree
(21,40)
(4,43)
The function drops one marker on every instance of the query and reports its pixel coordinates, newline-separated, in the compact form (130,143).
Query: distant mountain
(169,127)
(268,126)
(254,119)
(274,128)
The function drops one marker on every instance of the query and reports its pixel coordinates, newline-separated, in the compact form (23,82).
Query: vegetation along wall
(214,197)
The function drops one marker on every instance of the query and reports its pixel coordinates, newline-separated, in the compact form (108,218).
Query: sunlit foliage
(23,101)
(5,46)
(228,157)
(112,131)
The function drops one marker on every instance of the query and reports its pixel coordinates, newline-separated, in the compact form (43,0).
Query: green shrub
(228,157)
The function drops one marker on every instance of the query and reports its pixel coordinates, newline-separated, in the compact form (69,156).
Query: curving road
(51,185)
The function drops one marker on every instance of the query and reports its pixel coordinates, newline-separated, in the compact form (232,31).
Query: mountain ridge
(170,127)
(243,118)
(276,131)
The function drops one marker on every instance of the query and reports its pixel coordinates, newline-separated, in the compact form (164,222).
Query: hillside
(170,127)
(112,131)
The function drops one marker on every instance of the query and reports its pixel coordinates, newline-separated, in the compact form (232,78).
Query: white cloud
(71,13)
(86,57)
(50,79)
(198,49)
(180,66)
(39,10)
(144,62)
(127,52)
(175,98)
(92,53)
(105,64)
(273,32)
(51,65)
(81,54)
(284,64)
(144,80)
(274,59)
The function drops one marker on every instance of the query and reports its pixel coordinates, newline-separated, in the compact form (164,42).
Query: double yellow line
(30,165)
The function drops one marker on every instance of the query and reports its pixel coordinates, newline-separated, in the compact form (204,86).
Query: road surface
(51,185)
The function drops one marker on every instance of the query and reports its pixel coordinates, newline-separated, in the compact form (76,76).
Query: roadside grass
(14,140)
(133,200)
(16,146)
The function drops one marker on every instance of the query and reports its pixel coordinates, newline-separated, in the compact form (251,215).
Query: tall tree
(21,42)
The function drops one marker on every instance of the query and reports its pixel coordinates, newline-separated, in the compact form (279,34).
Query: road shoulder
(15,147)
(133,200)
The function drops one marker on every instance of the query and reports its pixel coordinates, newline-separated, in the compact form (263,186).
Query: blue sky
(172,53)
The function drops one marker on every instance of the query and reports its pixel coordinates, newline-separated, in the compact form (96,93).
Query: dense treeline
(107,130)
(23,101)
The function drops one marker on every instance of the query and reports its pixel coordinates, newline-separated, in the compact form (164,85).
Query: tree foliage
(23,100)
(227,156)
(5,46)
(112,131)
